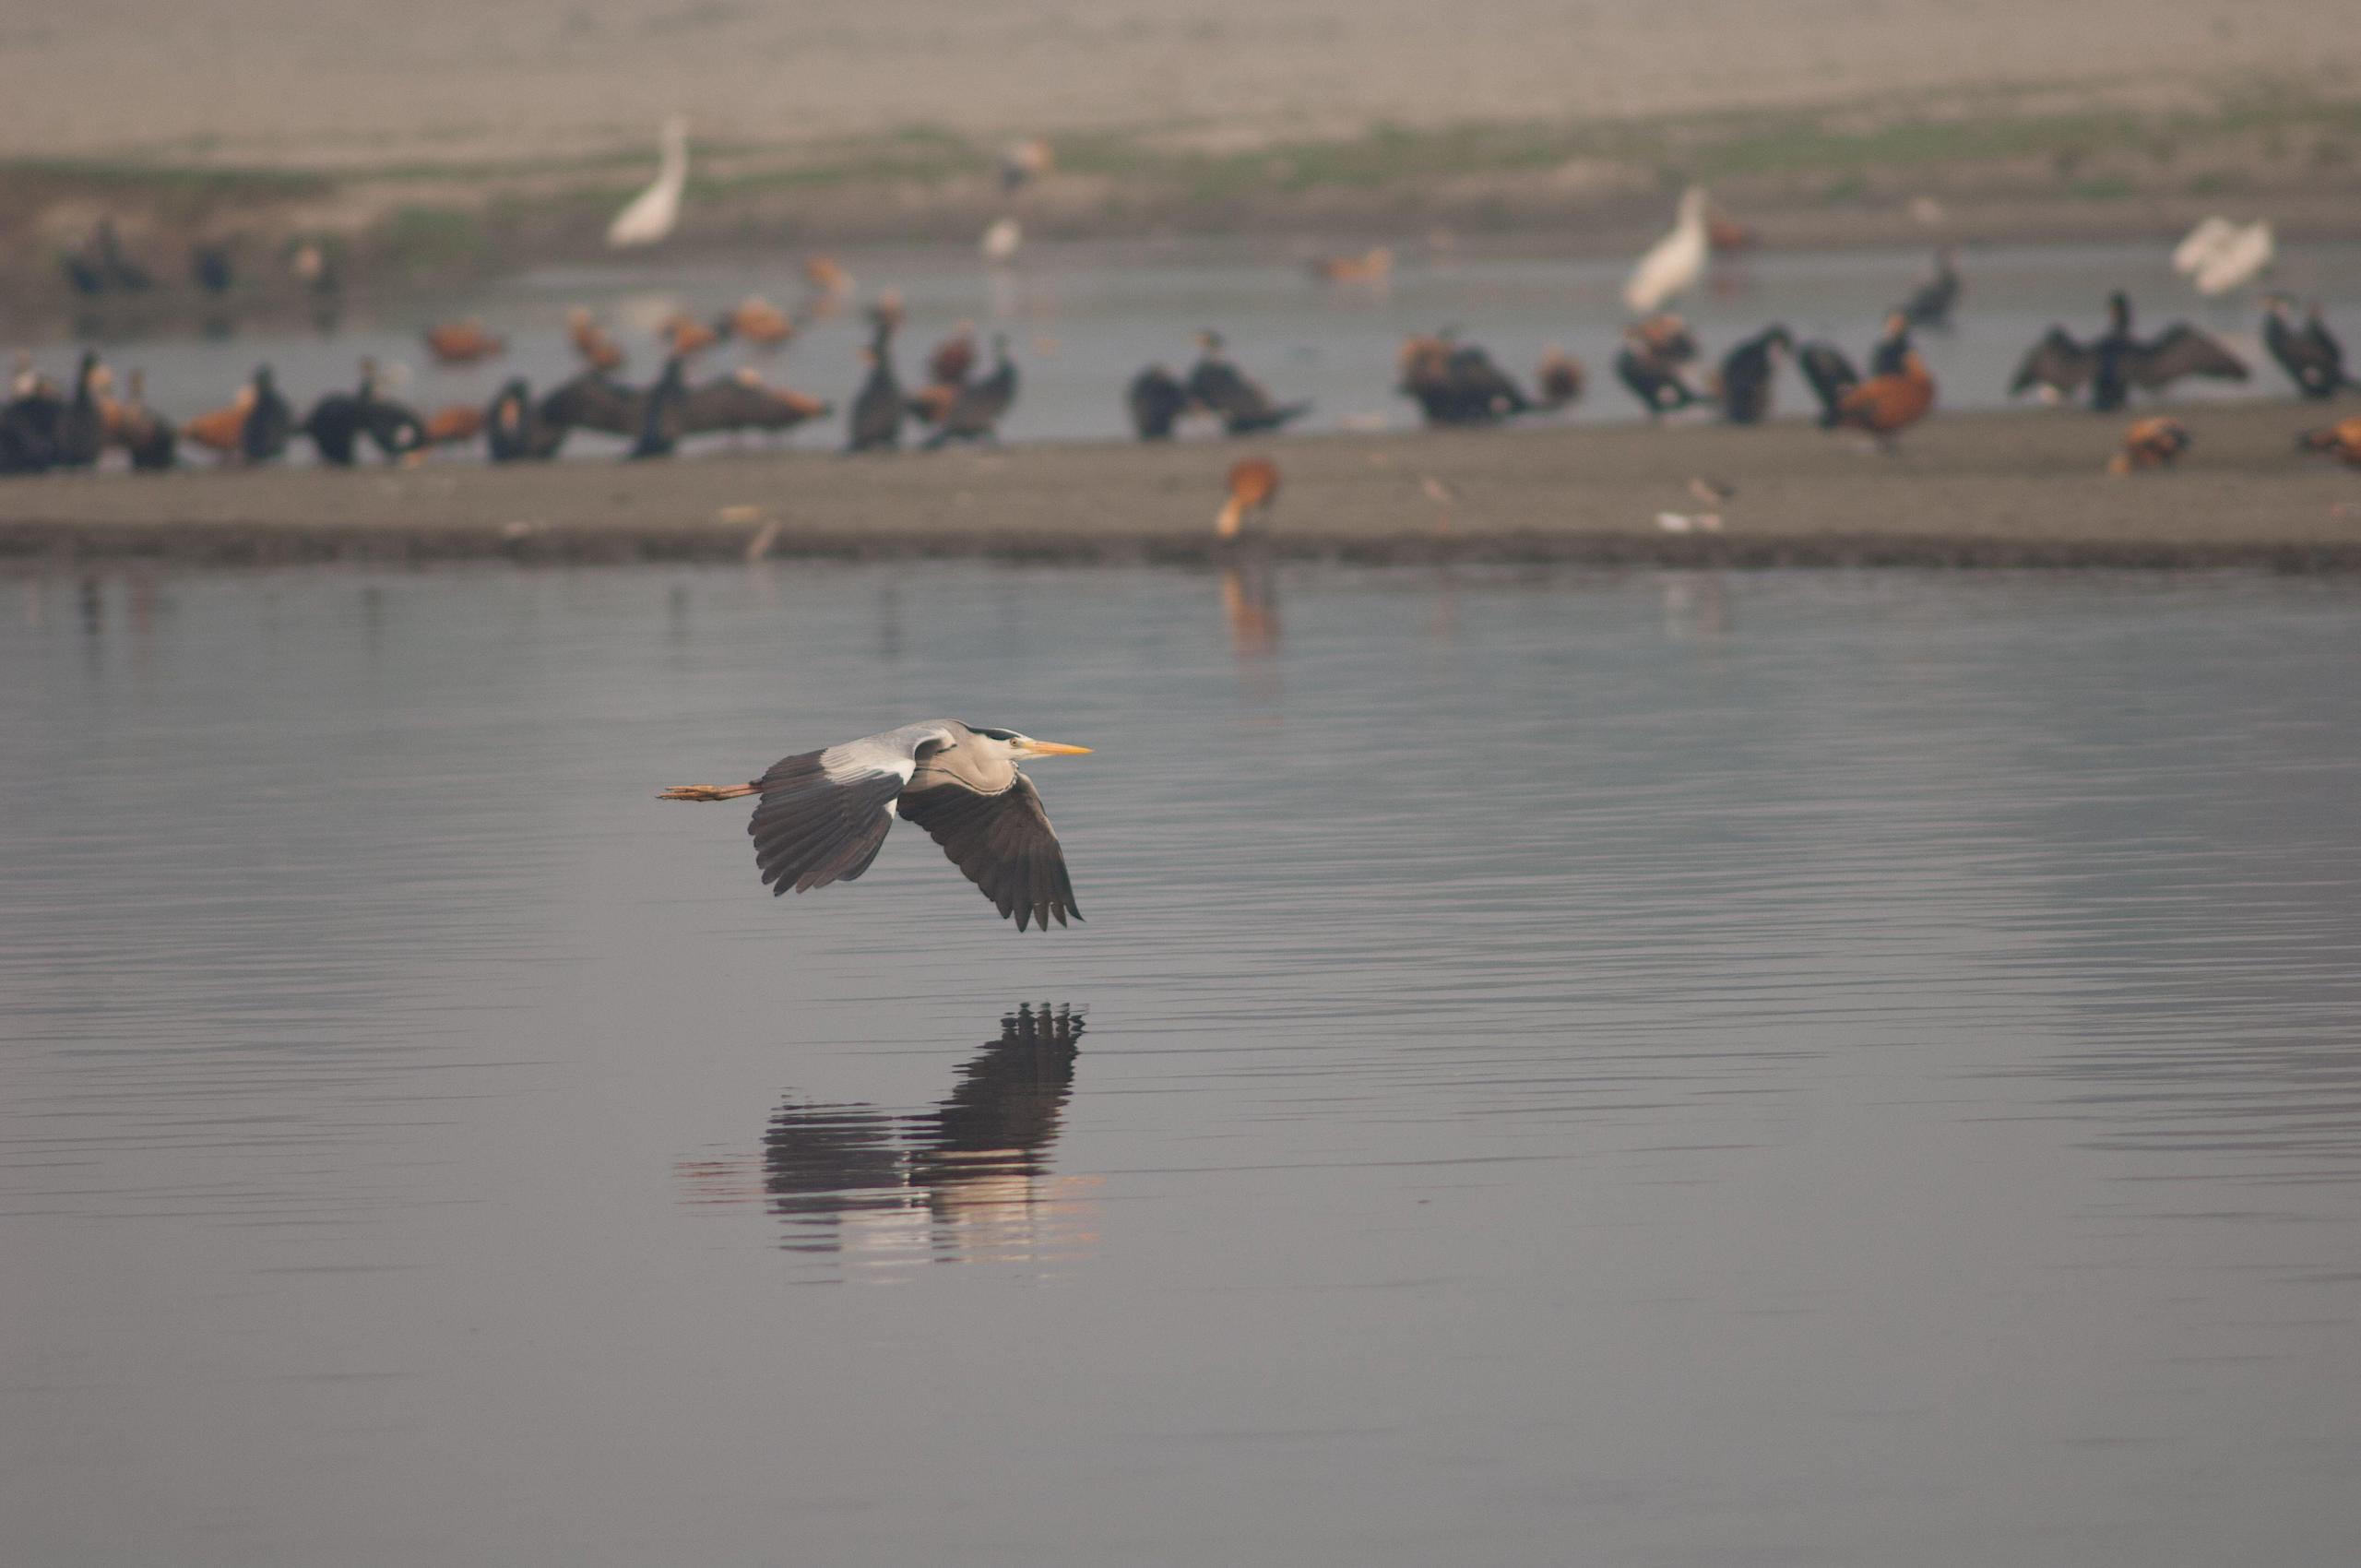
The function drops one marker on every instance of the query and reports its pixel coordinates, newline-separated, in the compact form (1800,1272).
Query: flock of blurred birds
(46,425)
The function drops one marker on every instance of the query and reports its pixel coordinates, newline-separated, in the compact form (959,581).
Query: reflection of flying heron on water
(967,1181)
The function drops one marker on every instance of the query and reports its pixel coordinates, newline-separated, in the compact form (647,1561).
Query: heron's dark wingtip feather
(1002,843)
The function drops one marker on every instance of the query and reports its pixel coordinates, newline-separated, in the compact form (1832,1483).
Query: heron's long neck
(987,775)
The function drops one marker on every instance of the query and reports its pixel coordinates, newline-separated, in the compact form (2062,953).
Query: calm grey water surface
(1665,1069)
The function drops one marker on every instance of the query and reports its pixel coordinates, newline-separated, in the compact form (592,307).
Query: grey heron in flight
(825,814)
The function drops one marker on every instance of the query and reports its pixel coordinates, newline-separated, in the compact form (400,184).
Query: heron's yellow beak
(1052,748)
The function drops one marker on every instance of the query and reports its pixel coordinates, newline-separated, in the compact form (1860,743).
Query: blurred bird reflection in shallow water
(1250,602)
(965,1182)
(1696,607)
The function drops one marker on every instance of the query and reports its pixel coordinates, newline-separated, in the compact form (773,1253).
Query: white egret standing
(1675,263)
(2201,242)
(655,210)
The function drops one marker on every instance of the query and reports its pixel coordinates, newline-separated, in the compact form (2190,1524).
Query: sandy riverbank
(1997,490)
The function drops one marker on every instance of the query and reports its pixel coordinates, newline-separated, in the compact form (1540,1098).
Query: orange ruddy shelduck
(1253,484)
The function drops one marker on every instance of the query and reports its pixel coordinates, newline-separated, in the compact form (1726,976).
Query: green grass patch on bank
(419,241)
(159,184)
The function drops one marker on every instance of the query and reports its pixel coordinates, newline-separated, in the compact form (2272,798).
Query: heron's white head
(1020,747)
(1693,206)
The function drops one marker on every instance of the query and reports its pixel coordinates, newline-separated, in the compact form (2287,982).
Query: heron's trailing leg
(709,791)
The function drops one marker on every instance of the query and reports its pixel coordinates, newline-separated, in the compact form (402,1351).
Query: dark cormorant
(594,401)
(1481,387)
(394,428)
(2118,361)
(122,272)
(1891,352)
(338,422)
(516,429)
(1157,399)
(1746,374)
(145,433)
(976,413)
(210,269)
(82,274)
(29,425)
(1457,384)
(741,401)
(1221,388)
(2310,354)
(876,423)
(1930,303)
(82,425)
(268,422)
(661,416)
(1830,375)
(1653,375)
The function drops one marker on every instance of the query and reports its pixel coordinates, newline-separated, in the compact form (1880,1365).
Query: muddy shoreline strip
(1983,491)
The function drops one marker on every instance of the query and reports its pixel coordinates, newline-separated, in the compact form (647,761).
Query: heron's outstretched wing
(1005,845)
(2183,351)
(2056,362)
(825,814)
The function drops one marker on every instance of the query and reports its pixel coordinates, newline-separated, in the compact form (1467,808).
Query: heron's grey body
(825,814)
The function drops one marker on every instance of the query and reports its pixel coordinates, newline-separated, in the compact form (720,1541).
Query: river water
(1656,1069)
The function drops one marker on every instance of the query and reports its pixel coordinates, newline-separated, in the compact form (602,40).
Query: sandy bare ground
(319,82)
(2010,488)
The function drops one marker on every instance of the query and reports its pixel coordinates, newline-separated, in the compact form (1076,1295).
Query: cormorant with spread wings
(2310,354)
(825,814)
(2116,362)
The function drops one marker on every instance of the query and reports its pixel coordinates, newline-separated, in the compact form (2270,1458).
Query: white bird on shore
(2199,242)
(2217,255)
(2237,260)
(999,241)
(1688,522)
(655,210)
(1675,263)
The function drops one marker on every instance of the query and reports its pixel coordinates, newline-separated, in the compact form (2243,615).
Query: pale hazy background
(318,81)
